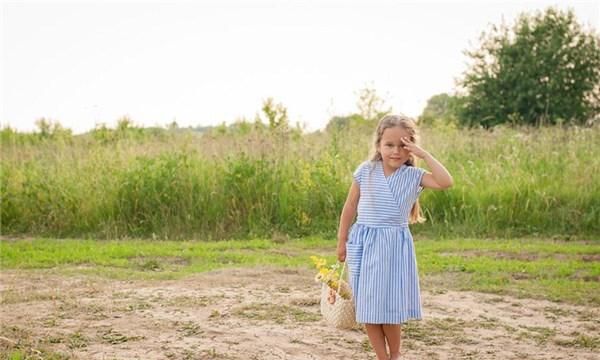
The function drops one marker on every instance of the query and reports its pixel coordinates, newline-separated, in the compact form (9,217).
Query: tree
(371,108)
(341,123)
(49,129)
(370,105)
(276,114)
(440,109)
(545,70)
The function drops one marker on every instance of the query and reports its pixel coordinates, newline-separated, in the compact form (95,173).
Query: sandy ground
(267,314)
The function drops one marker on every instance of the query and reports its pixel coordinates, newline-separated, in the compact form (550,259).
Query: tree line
(542,70)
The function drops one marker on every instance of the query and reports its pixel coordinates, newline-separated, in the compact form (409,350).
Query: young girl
(379,246)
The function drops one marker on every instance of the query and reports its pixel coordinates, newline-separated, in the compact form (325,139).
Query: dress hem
(388,322)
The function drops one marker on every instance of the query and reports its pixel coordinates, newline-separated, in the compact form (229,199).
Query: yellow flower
(330,275)
(319,262)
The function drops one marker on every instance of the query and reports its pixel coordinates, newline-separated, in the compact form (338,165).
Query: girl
(379,246)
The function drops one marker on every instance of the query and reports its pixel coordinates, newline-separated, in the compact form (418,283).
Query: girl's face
(392,149)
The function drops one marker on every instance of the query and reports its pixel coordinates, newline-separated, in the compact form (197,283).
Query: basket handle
(341,277)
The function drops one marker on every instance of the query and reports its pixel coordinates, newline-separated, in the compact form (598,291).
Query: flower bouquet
(330,275)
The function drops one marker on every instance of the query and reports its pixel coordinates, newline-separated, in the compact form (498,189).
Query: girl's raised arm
(439,178)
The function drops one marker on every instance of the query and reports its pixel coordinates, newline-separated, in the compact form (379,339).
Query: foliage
(273,119)
(49,129)
(126,129)
(276,114)
(344,123)
(440,109)
(508,182)
(371,107)
(543,70)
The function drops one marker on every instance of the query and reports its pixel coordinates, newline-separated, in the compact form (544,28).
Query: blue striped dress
(380,251)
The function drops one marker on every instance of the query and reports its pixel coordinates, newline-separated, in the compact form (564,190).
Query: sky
(87,63)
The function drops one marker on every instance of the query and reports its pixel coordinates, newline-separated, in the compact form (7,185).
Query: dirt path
(268,314)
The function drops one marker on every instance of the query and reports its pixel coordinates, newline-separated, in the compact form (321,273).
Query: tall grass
(508,182)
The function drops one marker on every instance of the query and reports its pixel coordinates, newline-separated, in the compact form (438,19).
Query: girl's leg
(393,335)
(377,338)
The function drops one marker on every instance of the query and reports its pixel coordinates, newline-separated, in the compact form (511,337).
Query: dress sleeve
(358,173)
(417,177)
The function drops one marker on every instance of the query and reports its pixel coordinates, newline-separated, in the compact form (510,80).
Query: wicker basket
(341,314)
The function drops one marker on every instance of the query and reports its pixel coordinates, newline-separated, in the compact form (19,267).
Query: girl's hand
(413,148)
(331,297)
(341,251)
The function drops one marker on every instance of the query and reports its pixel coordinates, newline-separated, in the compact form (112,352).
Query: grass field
(536,268)
(484,298)
(104,238)
(509,182)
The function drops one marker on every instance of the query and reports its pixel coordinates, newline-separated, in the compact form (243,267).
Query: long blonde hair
(408,124)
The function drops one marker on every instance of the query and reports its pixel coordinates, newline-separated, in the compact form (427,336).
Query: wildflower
(330,275)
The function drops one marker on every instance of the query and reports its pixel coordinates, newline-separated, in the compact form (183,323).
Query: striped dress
(380,252)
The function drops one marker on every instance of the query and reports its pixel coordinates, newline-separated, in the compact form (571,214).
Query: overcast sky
(208,62)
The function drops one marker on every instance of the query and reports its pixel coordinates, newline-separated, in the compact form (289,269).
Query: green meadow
(523,217)
(534,268)
(521,221)
(243,182)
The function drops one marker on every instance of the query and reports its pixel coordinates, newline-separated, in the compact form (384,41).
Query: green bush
(508,182)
